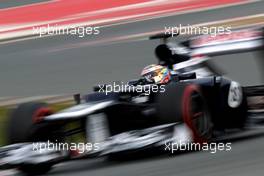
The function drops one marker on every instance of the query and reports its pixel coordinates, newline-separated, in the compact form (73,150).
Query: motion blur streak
(28,63)
(32,71)
(17,22)
(244,159)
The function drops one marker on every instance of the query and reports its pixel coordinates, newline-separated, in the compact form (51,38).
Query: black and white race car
(197,105)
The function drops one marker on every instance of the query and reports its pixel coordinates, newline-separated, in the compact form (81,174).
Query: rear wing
(236,42)
(185,53)
(244,40)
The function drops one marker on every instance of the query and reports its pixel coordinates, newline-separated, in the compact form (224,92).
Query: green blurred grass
(4,113)
(3,120)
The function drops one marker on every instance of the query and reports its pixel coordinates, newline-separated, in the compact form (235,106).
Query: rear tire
(183,102)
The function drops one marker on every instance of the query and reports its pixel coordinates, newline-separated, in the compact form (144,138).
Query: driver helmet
(156,74)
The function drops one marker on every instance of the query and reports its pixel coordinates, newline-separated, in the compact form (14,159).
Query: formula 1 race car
(195,105)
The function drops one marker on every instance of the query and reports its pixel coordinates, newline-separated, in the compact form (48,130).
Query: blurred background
(52,67)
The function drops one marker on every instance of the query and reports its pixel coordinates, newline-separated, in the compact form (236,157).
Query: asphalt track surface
(68,64)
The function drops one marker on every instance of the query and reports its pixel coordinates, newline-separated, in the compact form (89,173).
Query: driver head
(156,74)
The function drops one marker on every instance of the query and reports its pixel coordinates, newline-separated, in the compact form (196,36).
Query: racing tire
(24,126)
(182,102)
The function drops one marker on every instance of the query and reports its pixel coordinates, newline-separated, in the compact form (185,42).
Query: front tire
(23,126)
(23,123)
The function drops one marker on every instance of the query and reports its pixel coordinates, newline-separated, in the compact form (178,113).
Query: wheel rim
(196,114)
